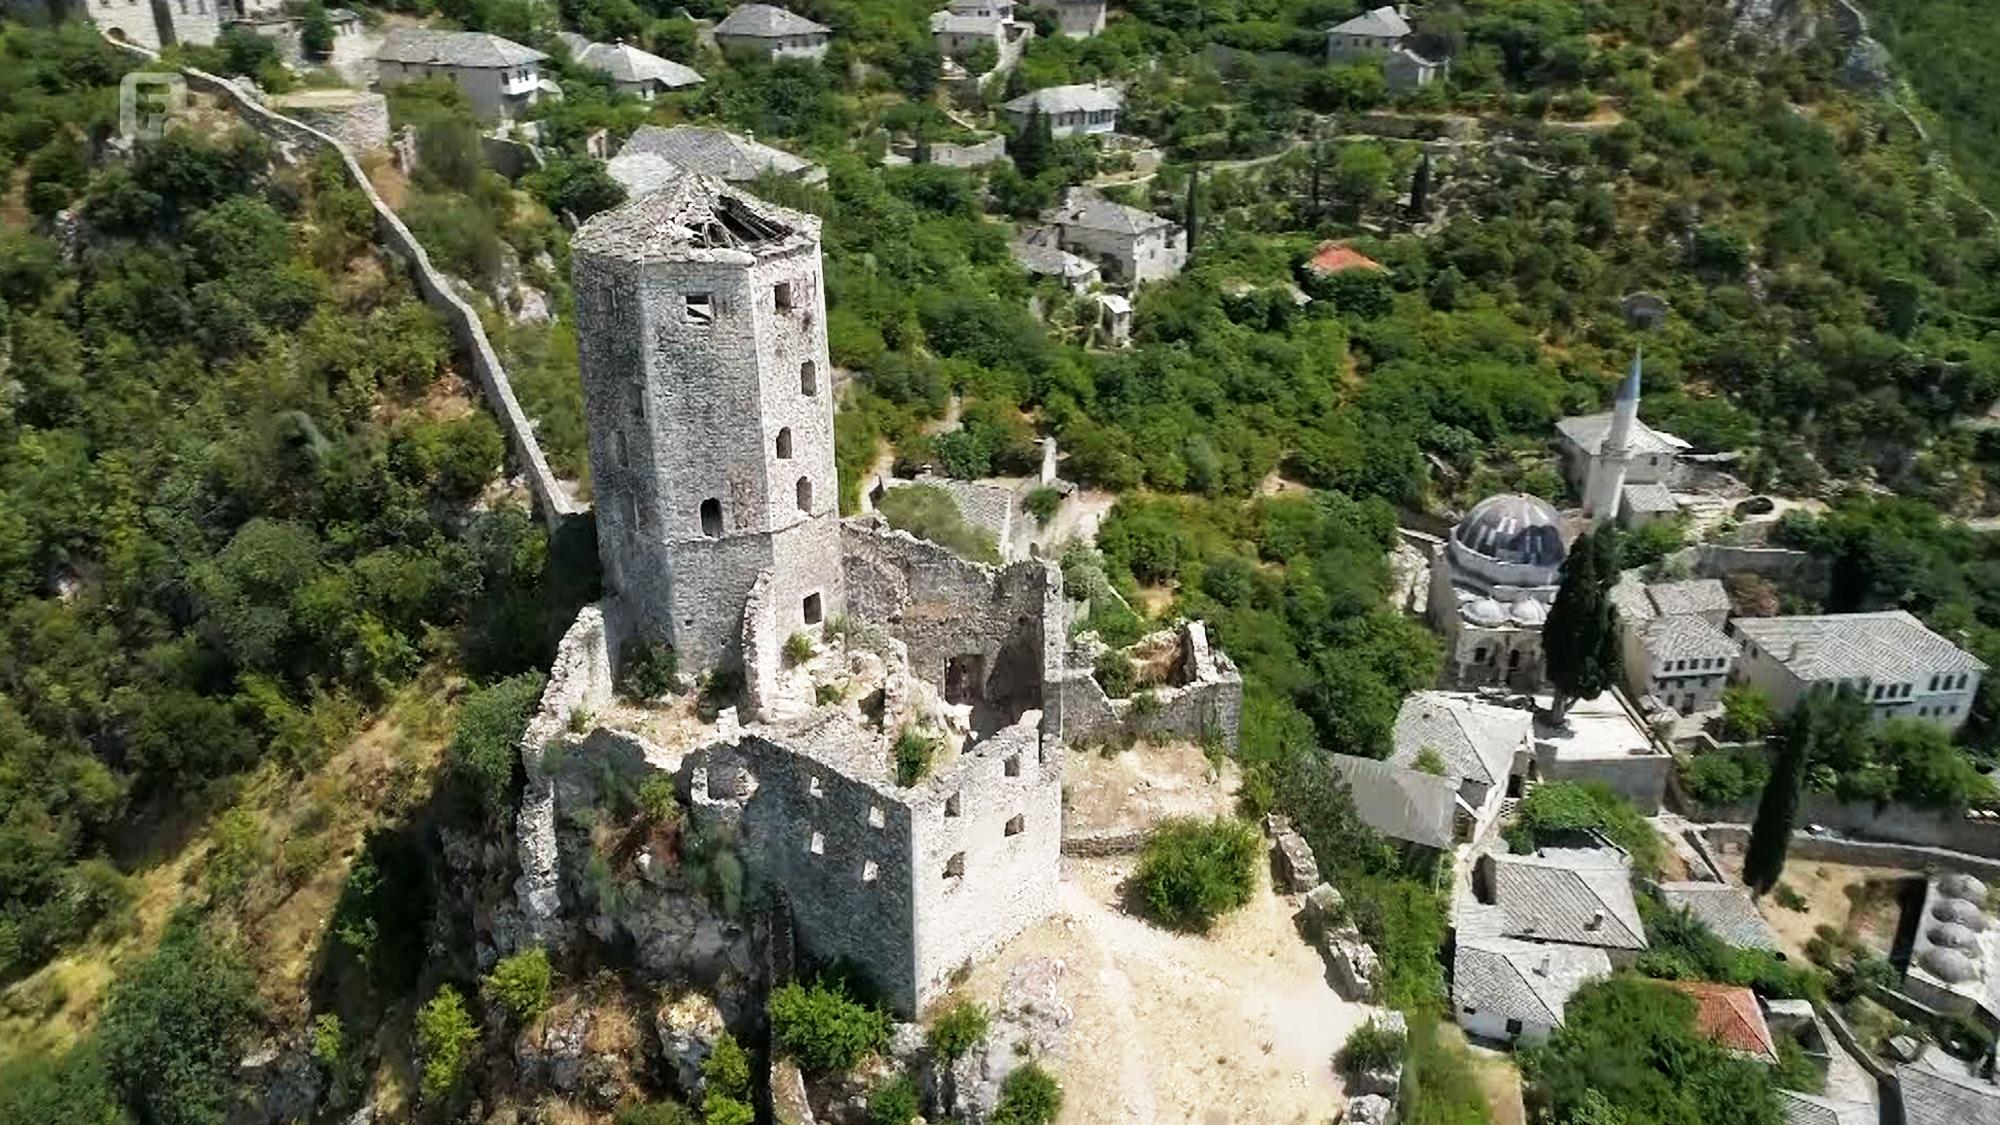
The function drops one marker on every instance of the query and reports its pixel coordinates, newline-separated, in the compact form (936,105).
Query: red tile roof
(1334,257)
(1729,1015)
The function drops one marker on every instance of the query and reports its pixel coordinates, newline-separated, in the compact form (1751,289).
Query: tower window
(700,309)
(711,518)
(781,296)
(1017,824)
(785,444)
(624,452)
(805,491)
(1013,765)
(808,378)
(811,609)
(817,845)
(637,403)
(951,805)
(869,871)
(954,868)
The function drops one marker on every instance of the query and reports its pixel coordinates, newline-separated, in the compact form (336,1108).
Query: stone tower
(1608,466)
(708,400)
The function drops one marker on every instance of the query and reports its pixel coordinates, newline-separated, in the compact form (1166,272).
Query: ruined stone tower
(708,399)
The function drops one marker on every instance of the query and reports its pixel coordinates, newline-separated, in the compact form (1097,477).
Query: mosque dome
(1955,936)
(1515,529)
(1528,612)
(1960,911)
(1484,612)
(1960,885)
(1949,965)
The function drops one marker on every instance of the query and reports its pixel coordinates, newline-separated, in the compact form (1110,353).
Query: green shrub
(1723,776)
(175,1025)
(484,748)
(915,750)
(894,1102)
(721,1109)
(1746,713)
(726,1070)
(652,669)
(958,1029)
(1429,761)
(1560,812)
(1193,872)
(929,512)
(1029,1096)
(655,1113)
(823,1029)
(446,1037)
(1788,897)
(1115,674)
(658,801)
(1042,504)
(521,983)
(1371,1047)
(798,648)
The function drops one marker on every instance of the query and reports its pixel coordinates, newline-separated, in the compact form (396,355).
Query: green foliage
(316,32)
(1681,947)
(485,748)
(175,1025)
(579,187)
(726,1070)
(1440,1083)
(384,909)
(1631,1043)
(929,512)
(1192,873)
(894,1102)
(1115,674)
(822,1028)
(654,1113)
(957,1029)
(1372,1046)
(1778,809)
(915,751)
(520,983)
(1563,812)
(798,648)
(721,1109)
(1580,640)
(1042,503)
(1651,543)
(1721,777)
(658,801)
(71,1089)
(1429,761)
(446,1039)
(651,668)
(1746,713)
(1028,1096)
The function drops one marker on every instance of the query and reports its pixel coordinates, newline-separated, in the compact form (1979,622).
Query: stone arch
(711,518)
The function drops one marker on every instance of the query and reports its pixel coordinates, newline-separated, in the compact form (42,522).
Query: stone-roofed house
(1569,896)
(1132,245)
(1814,1109)
(1726,910)
(641,74)
(705,151)
(1401,803)
(1932,1097)
(1405,69)
(964,25)
(1373,34)
(772,32)
(1076,274)
(1729,1016)
(498,76)
(1900,667)
(1706,598)
(1507,990)
(1676,648)
(1076,19)
(1479,746)
(1072,111)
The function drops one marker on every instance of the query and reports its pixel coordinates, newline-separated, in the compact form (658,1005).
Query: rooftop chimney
(1596,921)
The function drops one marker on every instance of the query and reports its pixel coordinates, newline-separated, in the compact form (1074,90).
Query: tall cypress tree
(1035,145)
(1420,189)
(1580,638)
(1193,223)
(1778,810)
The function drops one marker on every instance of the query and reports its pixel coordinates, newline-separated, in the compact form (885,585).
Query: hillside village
(1056,561)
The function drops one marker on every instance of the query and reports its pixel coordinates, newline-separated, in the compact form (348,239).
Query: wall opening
(875,817)
(1013,765)
(700,309)
(808,378)
(951,805)
(636,400)
(964,678)
(624,452)
(954,868)
(805,493)
(1017,824)
(811,609)
(817,845)
(785,444)
(711,518)
(870,872)
(781,296)
(813,787)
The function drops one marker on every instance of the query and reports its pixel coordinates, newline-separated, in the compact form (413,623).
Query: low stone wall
(988,151)
(1209,703)
(552,500)
(1718,560)
(580,679)
(1862,853)
(1098,844)
(1891,823)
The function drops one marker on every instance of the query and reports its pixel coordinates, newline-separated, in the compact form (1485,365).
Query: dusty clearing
(1858,901)
(1236,1026)
(1134,789)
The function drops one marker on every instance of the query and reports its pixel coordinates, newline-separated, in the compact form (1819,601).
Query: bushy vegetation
(928,512)
(823,1028)
(1371,1046)
(1680,947)
(176,1024)
(1722,777)
(916,749)
(894,1102)
(957,1030)
(484,751)
(1565,813)
(1193,872)
(520,983)
(446,1038)
(1028,1096)
(726,1094)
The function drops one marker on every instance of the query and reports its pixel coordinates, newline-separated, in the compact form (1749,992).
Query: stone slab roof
(1586,432)
(1812,1109)
(714,152)
(1695,595)
(623,62)
(1683,636)
(1651,498)
(424,47)
(1570,898)
(1477,740)
(1934,1098)
(1091,211)
(766,21)
(1522,980)
(1082,98)
(1050,261)
(1726,910)
(694,218)
(947,22)
(1886,647)
(1403,804)
(1729,1015)
(1381,23)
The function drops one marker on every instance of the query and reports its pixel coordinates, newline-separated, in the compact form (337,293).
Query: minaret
(1608,464)
(708,401)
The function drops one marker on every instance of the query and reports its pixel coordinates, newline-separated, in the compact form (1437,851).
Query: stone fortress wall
(1202,698)
(552,500)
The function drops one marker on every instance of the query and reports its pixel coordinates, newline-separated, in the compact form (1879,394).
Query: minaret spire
(1606,484)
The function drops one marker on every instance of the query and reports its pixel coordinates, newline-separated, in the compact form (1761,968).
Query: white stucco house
(773,32)
(1133,246)
(1675,646)
(641,74)
(1370,35)
(1505,990)
(1901,668)
(1478,746)
(498,76)
(966,25)
(1072,111)
(1076,19)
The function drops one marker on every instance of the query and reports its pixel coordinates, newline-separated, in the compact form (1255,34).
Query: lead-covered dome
(1960,911)
(1955,936)
(1484,612)
(1960,885)
(1949,965)
(1513,528)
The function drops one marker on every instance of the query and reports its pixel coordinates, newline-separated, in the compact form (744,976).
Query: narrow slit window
(954,868)
(785,444)
(808,378)
(781,296)
(700,309)
(711,518)
(636,402)
(811,609)
(870,872)
(813,787)
(805,495)
(624,452)
(1017,824)
(875,817)
(816,845)
(1013,765)
(951,805)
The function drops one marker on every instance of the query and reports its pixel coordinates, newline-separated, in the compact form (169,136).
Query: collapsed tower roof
(694,217)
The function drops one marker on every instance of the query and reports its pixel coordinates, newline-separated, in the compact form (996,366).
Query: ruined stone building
(890,772)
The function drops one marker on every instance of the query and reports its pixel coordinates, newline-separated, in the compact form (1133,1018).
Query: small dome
(1960,911)
(1955,936)
(1950,965)
(1528,611)
(1960,885)
(1513,528)
(1484,611)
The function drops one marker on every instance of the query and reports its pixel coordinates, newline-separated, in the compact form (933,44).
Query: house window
(875,817)
(1017,824)
(1013,765)
(711,518)
(700,309)
(811,609)
(785,444)
(781,296)
(954,868)
(816,845)
(869,872)
(951,805)
(808,378)
(1513,1027)
(805,493)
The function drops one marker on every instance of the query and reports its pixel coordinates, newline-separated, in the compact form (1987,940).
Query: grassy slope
(1944,49)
